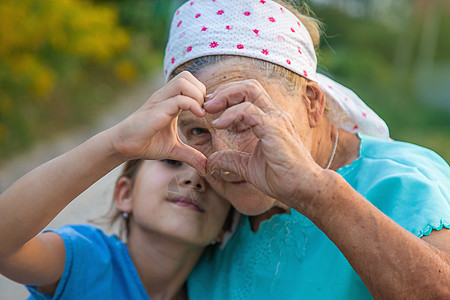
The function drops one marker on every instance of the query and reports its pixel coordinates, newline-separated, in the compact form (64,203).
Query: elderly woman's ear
(314,99)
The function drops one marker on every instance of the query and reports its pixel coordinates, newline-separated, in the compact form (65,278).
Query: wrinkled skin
(263,136)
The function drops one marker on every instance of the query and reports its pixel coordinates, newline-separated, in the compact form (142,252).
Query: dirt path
(95,201)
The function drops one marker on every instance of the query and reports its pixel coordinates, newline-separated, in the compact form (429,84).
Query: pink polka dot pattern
(265,30)
(261,29)
(359,117)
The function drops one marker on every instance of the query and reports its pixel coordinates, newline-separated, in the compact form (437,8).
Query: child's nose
(195,181)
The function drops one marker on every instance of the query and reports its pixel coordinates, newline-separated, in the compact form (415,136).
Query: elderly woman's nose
(224,140)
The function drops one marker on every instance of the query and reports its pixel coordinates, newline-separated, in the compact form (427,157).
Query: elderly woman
(336,209)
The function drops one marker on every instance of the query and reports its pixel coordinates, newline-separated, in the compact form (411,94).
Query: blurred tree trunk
(423,19)
(429,39)
(405,47)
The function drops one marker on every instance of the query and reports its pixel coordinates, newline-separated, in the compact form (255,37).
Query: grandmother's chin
(250,201)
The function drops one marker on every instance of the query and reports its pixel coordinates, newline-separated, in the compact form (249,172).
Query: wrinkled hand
(151,131)
(280,165)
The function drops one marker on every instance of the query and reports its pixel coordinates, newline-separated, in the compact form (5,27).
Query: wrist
(321,197)
(111,147)
(115,145)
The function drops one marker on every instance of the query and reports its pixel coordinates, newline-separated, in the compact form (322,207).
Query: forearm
(36,198)
(392,262)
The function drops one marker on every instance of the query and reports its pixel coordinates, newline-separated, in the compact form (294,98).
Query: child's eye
(173,162)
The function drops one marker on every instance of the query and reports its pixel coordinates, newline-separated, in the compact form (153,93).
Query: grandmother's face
(200,134)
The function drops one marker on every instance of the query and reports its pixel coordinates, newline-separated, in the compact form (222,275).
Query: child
(171,214)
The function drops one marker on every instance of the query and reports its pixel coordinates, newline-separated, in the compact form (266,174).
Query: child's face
(171,198)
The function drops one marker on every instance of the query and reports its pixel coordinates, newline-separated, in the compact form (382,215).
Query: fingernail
(216,121)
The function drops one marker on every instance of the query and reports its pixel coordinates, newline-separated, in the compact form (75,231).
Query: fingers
(191,78)
(183,84)
(237,92)
(245,115)
(191,156)
(229,160)
(173,105)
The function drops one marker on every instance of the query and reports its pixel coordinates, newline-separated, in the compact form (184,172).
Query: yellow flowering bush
(125,70)
(32,31)
(48,47)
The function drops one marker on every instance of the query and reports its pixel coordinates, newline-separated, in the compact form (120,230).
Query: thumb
(191,156)
(229,160)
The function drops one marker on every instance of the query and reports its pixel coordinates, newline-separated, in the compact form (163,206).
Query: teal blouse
(290,258)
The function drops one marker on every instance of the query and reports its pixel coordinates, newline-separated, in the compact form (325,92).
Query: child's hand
(151,131)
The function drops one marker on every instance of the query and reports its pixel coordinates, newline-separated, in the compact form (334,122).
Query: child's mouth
(187,202)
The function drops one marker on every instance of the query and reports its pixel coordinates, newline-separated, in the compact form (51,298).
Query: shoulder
(403,161)
(402,153)
(409,183)
(96,266)
(82,230)
(88,240)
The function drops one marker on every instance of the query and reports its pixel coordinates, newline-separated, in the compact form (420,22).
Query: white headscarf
(265,30)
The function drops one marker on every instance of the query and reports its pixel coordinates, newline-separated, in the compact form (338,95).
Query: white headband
(265,30)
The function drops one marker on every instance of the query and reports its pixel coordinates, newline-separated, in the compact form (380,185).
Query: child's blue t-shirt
(97,266)
(290,258)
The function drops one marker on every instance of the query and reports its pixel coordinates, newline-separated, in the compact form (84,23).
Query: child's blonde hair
(115,216)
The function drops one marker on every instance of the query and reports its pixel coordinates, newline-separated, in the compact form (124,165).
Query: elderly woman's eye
(172,162)
(197,136)
(198,131)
